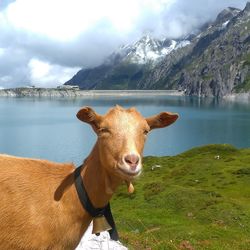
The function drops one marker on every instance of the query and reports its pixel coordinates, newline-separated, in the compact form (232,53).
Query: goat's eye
(145,131)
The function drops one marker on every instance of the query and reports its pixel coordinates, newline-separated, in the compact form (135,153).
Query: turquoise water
(48,128)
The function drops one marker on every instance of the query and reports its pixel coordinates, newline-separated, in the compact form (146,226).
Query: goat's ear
(161,120)
(88,115)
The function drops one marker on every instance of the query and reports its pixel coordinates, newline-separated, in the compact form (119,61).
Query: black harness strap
(87,205)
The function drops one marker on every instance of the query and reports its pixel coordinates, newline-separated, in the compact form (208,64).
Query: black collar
(87,205)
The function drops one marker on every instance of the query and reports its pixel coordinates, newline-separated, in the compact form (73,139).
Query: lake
(48,128)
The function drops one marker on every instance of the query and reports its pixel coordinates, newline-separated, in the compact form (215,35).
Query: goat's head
(121,137)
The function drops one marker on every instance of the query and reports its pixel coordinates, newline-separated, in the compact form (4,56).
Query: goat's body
(39,205)
(36,210)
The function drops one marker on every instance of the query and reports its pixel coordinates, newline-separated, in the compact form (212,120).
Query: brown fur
(39,207)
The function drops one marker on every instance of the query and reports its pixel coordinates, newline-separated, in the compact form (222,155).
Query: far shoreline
(79,93)
(56,92)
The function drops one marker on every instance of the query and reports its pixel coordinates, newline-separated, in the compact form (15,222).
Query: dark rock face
(90,77)
(215,63)
(226,15)
(221,67)
(247,8)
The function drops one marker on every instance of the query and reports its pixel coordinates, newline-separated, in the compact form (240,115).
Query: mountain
(213,62)
(223,66)
(127,65)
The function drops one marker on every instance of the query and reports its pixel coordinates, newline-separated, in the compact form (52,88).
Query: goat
(39,206)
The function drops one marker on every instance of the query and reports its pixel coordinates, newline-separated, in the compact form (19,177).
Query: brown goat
(39,206)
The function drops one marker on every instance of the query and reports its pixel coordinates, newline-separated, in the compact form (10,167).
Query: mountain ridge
(125,66)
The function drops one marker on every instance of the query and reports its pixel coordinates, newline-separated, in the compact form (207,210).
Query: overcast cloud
(45,42)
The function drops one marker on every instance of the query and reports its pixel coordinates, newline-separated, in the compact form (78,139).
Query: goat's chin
(126,174)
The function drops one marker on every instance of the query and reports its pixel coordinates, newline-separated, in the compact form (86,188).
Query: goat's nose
(132,160)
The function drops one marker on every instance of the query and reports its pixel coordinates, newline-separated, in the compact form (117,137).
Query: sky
(45,42)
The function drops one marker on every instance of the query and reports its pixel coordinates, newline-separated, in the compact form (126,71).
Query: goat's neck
(99,184)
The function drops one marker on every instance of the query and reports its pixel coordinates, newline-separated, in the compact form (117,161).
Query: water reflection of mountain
(163,101)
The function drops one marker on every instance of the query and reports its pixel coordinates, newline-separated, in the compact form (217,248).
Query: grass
(207,77)
(244,87)
(196,200)
(247,60)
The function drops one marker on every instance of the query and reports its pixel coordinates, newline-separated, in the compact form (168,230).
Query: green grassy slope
(193,201)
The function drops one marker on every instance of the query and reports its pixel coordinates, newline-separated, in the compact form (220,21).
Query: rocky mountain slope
(215,62)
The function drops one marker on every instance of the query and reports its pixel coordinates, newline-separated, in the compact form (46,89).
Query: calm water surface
(48,128)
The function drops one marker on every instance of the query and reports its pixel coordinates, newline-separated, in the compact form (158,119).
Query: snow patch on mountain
(146,50)
(182,44)
(224,25)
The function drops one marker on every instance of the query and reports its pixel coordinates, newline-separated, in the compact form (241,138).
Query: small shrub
(242,171)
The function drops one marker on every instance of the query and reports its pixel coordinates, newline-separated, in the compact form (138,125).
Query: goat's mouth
(128,174)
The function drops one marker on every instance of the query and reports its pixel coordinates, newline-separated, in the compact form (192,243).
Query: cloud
(182,17)
(44,74)
(45,42)
(5,3)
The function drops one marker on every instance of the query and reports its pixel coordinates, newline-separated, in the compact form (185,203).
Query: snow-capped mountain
(127,64)
(146,50)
